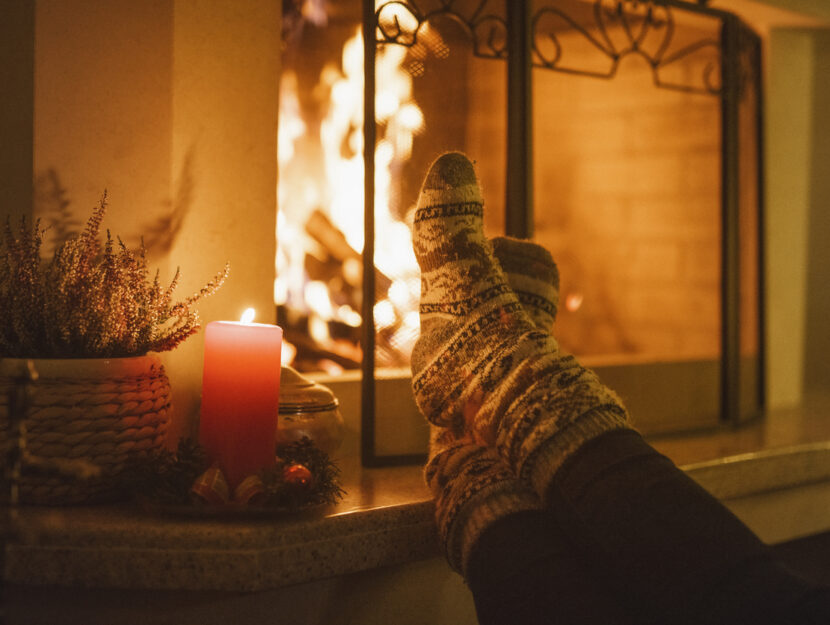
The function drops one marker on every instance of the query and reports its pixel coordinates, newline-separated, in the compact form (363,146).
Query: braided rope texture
(109,413)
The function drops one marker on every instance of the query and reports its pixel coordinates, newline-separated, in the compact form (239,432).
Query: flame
(384,313)
(318,300)
(349,316)
(329,178)
(318,329)
(291,125)
(248,315)
(412,320)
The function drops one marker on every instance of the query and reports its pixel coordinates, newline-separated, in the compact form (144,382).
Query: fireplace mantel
(387,519)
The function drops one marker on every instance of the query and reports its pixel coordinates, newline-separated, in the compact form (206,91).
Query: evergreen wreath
(167,478)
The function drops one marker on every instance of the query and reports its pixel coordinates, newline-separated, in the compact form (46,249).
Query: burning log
(330,271)
(340,343)
(334,242)
(324,325)
(310,353)
(341,346)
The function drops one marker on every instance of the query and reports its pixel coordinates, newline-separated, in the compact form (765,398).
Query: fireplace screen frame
(740,58)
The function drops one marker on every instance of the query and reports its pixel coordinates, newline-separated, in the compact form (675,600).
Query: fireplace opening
(432,97)
(623,135)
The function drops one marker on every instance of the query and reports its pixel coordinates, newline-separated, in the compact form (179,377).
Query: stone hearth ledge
(385,519)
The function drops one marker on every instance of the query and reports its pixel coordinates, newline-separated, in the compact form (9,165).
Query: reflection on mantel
(788,427)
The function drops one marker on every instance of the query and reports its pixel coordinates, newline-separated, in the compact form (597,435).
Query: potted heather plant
(91,321)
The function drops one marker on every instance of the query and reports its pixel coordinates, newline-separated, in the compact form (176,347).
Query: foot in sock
(480,364)
(472,488)
(533,277)
(471,485)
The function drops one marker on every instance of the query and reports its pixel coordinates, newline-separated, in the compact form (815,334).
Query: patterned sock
(480,365)
(472,488)
(471,485)
(533,277)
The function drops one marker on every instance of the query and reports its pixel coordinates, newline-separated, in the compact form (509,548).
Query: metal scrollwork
(401,21)
(620,28)
(617,28)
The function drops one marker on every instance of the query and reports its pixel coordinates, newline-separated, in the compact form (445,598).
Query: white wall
(788,129)
(797,160)
(226,60)
(171,107)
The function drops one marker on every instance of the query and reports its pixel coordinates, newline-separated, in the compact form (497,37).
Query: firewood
(334,242)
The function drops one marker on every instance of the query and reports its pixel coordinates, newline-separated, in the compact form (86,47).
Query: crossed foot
(506,406)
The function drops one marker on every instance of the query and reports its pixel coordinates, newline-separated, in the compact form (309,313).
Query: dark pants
(627,538)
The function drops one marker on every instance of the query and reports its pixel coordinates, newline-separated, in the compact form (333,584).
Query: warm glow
(394,12)
(291,125)
(384,314)
(400,295)
(319,330)
(412,320)
(411,117)
(349,316)
(248,315)
(331,367)
(331,183)
(288,353)
(573,302)
(280,291)
(317,297)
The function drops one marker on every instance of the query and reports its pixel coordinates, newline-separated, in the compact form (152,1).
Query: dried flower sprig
(88,301)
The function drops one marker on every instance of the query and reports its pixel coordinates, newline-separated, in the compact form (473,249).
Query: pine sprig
(167,477)
(324,487)
(89,300)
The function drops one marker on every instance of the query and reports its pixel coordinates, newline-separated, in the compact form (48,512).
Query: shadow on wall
(52,205)
(160,235)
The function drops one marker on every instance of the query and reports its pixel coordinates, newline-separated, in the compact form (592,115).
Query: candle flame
(248,315)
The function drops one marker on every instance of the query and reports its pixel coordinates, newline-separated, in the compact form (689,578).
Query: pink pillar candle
(240,397)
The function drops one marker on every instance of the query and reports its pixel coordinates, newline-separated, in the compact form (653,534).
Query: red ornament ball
(297,474)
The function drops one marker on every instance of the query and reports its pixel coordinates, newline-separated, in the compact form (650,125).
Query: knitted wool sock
(533,277)
(480,364)
(472,488)
(471,485)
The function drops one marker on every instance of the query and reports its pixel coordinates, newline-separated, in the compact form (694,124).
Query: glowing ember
(573,302)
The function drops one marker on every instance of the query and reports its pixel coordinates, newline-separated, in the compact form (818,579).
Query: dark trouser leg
(629,538)
(674,553)
(524,572)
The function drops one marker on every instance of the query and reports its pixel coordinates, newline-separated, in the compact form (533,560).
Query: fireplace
(623,135)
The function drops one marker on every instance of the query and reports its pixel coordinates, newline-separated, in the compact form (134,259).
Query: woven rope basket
(106,411)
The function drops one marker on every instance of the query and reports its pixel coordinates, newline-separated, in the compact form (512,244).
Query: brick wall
(627,194)
(627,197)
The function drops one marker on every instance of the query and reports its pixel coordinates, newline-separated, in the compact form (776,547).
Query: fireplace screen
(623,135)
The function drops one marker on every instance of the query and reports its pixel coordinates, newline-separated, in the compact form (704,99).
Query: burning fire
(320,194)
